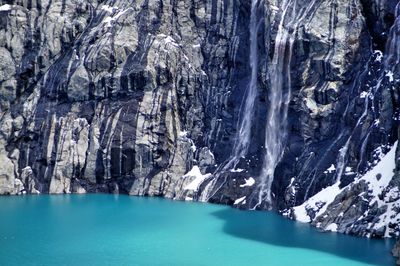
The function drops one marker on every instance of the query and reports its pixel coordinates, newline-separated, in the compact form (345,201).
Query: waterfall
(242,142)
(393,45)
(243,137)
(279,72)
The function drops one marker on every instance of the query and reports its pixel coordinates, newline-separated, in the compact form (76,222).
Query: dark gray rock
(396,252)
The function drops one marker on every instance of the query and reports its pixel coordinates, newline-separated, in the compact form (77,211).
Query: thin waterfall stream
(391,60)
(279,94)
(243,137)
(242,142)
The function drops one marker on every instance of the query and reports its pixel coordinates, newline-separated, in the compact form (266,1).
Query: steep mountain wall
(148,97)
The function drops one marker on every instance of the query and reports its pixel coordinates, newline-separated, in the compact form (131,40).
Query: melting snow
(108,20)
(242,199)
(198,178)
(248,182)
(349,171)
(332,227)
(5,7)
(239,170)
(193,147)
(390,76)
(384,169)
(108,8)
(183,134)
(331,169)
(379,56)
(363,94)
(319,202)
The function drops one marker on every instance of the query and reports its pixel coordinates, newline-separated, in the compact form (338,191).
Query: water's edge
(393,252)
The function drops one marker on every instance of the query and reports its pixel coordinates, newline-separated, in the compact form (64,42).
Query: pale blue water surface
(123,230)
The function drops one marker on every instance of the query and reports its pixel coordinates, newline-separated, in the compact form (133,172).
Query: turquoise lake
(123,230)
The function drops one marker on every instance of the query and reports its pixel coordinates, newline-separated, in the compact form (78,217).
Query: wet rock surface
(396,252)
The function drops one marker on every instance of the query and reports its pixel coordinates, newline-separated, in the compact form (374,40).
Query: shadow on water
(270,228)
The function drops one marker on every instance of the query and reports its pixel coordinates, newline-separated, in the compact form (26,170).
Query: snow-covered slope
(332,208)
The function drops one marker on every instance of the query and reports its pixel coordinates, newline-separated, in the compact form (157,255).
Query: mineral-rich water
(122,230)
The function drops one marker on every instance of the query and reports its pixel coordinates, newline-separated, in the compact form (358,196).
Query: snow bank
(198,178)
(108,8)
(377,179)
(319,202)
(248,182)
(332,227)
(239,200)
(5,7)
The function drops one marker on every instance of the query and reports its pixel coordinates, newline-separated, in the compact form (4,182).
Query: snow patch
(331,169)
(198,178)
(183,134)
(193,147)
(363,94)
(239,200)
(189,199)
(248,182)
(109,20)
(5,7)
(390,76)
(384,169)
(379,56)
(332,227)
(239,170)
(108,8)
(377,179)
(318,203)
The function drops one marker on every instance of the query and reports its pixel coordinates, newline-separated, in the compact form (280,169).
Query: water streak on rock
(279,93)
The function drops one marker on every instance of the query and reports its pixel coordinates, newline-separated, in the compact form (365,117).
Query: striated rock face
(148,98)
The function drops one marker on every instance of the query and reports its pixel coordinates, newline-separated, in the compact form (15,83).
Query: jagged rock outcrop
(145,98)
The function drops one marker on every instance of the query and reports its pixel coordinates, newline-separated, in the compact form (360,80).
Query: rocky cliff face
(152,97)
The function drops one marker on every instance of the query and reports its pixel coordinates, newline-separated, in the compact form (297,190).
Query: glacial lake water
(123,230)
